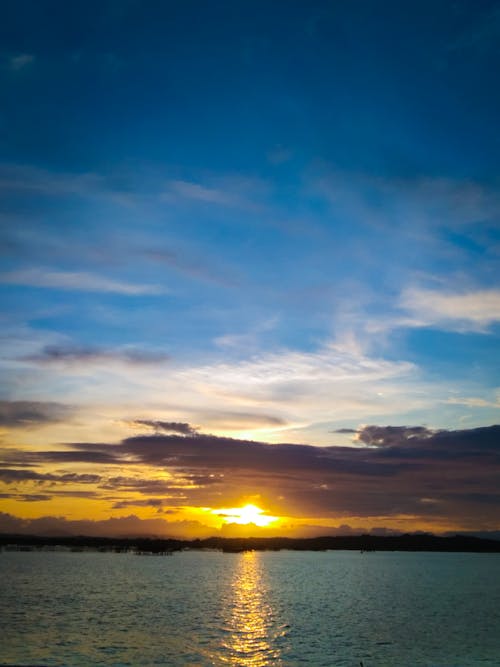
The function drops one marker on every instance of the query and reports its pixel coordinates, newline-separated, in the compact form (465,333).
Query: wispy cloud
(464,311)
(29,179)
(9,476)
(32,497)
(149,502)
(166,427)
(55,354)
(77,280)
(233,420)
(228,191)
(201,193)
(410,203)
(279,155)
(476,401)
(21,61)
(304,387)
(268,393)
(23,414)
(197,269)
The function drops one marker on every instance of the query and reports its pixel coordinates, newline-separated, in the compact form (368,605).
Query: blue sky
(270,220)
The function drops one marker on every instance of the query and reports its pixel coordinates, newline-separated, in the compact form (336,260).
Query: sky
(249,258)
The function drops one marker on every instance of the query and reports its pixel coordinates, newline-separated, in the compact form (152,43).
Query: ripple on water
(253,608)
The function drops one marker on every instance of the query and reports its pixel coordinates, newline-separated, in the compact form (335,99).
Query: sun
(246,515)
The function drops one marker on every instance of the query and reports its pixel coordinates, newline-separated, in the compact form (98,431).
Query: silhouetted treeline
(407,542)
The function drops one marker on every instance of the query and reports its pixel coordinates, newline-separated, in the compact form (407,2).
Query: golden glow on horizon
(249,514)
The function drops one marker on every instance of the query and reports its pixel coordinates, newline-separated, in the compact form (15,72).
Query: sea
(255,608)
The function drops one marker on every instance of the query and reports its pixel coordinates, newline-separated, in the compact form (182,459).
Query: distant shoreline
(153,545)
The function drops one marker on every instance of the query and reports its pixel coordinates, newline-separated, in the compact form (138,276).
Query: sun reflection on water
(251,624)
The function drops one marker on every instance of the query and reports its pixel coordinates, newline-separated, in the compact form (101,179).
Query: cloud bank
(391,472)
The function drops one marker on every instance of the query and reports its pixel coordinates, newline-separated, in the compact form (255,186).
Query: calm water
(254,608)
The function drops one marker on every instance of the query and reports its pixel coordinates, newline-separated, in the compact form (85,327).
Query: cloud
(387,450)
(74,280)
(463,312)
(196,269)
(201,193)
(21,61)
(394,474)
(10,476)
(168,427)
(388,436)
(69,353)
(23,457)
(221,419)
(209,452)
(271,392)
(300,388)
(149,502)
(279,155)
(171,487)
(22,414)
(229,420)
(414,204)
(475,401)
(227,191)
(178,189)
(26,497)
(29,180)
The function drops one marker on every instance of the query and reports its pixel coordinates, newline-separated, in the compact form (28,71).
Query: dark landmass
(365,543)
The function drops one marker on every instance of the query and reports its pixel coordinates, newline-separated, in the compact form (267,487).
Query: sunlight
(253,635)
(245,515)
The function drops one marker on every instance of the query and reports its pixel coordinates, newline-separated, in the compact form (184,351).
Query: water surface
(255,608)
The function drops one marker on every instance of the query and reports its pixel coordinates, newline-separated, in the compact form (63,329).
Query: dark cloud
(149,502)
(53,354)
(73,477)
(29,459)
(389,451)
(218,453)
(138,484)
(89,456)
(396,471)
(168,427)
(399,470)
(205,451)
(143,356)
(18,414)
(451,447)
(178,482)
(72,493)
(388,436)
(345,430)
(26,497)
(10,475)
